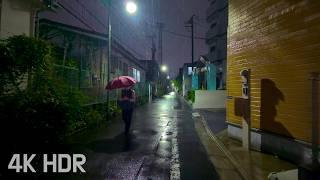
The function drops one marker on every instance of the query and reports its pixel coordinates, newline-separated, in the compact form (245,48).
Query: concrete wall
(210,99)
(16,18)
(279,41)
(283,147)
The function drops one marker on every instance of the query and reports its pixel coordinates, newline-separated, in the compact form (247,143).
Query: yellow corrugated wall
(279,40)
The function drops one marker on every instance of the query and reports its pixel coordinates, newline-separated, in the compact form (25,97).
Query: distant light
(131,7)
(168,77)
(164,68)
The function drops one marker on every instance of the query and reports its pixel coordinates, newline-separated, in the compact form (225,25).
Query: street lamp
(131,8)
(164,68)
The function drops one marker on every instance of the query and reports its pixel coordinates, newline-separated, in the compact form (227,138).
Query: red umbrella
(121,82)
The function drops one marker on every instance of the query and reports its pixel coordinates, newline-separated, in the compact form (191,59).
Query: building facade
(278,43)
(77,30)
(152,75)
(217,19)
(21,15)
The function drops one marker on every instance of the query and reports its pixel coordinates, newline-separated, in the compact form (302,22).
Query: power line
(195,37)
(178,34)
(126,25)
(183,35)
(75,15)
(201,26)
(191,22)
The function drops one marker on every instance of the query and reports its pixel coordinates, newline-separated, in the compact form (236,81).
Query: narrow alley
(163,145)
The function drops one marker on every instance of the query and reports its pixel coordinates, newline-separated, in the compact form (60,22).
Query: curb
(224,149)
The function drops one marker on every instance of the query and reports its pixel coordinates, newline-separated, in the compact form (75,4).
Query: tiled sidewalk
(249,164)
(257,165)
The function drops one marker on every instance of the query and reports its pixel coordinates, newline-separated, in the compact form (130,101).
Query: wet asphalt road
(163,145)
(215,118)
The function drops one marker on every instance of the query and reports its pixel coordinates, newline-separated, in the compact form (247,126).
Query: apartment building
(217,19)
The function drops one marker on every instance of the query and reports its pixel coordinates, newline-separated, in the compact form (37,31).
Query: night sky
(135,31)
(177,50)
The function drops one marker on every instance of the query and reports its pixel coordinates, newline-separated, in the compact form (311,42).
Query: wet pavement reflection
(118,144)
(162,144)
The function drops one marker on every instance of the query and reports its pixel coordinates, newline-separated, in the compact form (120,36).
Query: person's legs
(129,118)
(125,120)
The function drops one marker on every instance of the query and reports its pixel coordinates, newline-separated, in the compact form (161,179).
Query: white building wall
(210,99)
(16,18)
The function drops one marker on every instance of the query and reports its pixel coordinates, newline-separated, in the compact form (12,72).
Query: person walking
(126,103)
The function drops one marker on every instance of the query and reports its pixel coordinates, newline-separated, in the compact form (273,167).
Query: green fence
(92,87)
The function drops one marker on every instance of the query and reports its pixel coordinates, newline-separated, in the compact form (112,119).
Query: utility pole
(160,27)
(153,47)
(190,24)
(109,56)
(315,117)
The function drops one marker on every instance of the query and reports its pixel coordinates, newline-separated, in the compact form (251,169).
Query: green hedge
(36,106)
(191,95)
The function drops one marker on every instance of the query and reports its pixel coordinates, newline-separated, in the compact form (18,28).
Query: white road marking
(175,162)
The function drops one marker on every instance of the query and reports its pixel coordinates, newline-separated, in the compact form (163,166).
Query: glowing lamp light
(164,68)
(131,7)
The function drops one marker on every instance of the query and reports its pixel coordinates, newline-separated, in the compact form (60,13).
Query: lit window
(134,73)
(189,70)
(138,76)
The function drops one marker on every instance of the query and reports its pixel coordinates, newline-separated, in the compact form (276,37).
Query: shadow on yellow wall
(270,98)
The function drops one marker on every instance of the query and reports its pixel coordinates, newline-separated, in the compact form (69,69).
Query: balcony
(219,30)
(212,32)
(214,9)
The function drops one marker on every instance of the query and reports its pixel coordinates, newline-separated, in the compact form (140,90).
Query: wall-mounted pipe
(315,116)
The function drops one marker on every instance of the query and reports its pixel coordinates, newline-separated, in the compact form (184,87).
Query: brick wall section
(279,40)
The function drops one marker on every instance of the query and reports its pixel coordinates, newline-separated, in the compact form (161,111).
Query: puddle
(145,132)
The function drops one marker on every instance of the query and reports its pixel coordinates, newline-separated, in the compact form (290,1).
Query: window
(212,49)
(213,25)
(134,73)
(138,76)
(189,70)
